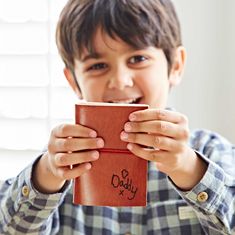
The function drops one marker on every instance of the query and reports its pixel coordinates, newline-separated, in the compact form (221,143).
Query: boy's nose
(120,79)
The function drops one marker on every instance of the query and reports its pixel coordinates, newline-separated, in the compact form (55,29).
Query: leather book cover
(118,177)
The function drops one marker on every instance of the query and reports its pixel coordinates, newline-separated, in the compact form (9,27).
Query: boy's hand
(161,136)
(69,145)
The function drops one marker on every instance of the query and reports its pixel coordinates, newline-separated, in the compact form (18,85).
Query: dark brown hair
(139,23)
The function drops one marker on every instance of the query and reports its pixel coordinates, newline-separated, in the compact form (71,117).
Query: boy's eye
(137,59)
(97,66)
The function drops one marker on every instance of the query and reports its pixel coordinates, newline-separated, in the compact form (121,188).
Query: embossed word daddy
(125,184)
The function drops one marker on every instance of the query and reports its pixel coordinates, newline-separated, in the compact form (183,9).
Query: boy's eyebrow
(97,55)
(94,55)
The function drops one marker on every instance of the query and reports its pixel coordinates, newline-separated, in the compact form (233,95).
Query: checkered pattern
(55,214)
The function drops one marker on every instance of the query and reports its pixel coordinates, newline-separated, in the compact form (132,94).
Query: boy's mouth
(126,101)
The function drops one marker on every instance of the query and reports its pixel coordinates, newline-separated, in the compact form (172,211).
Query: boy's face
(120,74)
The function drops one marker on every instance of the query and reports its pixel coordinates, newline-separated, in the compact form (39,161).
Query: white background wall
(207,92)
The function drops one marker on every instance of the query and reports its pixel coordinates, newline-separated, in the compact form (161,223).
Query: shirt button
(202,197)
(25,191)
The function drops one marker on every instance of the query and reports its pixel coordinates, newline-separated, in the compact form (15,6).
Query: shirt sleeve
(213,197)
(24,210)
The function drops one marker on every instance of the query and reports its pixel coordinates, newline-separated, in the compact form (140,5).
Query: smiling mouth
(127,101)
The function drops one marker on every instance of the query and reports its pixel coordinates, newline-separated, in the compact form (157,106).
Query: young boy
(123,51)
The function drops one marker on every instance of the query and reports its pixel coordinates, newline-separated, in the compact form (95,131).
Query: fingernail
(88,166)
(132,117)
(92,134)
(95,155)
(129,146)
(100,143)
(124,136)
(127,127)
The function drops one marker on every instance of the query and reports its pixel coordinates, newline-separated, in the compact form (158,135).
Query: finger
(159,156)
(68,130)
(166,161)
(158,114)
(157,142)
(158,127)
(67,173)
(74,144)
(145,153)
(67,159)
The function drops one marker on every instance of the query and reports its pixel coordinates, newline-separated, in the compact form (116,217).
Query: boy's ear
(178,66)
(71,80)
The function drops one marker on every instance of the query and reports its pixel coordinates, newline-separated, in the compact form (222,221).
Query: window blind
(34,95)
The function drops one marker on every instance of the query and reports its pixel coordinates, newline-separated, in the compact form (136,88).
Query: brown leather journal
(118,177)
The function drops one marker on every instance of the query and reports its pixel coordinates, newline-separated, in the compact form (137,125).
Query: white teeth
(129,101)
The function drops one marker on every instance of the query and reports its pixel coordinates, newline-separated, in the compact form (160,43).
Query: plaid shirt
(207,209)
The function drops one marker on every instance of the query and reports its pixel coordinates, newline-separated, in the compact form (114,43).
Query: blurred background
(34,95)
(207,92)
